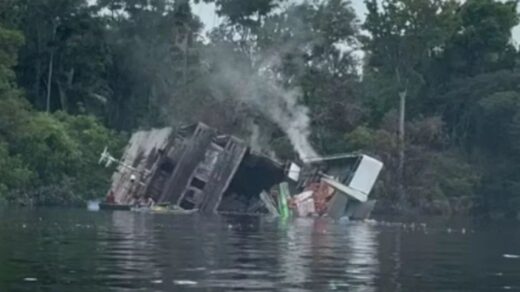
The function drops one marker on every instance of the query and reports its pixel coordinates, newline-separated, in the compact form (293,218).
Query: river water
(77,250)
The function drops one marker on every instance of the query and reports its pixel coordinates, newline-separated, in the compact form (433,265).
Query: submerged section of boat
(197,169)
(164,210)
(109,206)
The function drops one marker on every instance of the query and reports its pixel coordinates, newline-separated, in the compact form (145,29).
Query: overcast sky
(208,16)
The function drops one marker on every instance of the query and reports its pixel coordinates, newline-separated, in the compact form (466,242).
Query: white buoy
(93,205)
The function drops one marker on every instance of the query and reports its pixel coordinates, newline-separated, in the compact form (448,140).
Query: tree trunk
(186,65)
(400,170)
(64,88)
(51,67)
(38,70)
(63,95)
(49,82)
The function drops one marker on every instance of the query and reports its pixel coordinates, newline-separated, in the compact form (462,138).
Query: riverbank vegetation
(431,87)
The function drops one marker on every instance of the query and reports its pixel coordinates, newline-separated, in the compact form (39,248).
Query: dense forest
(431,87)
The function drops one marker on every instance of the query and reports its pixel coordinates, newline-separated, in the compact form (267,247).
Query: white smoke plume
(261,90)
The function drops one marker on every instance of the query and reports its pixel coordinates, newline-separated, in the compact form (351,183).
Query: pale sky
(207,14)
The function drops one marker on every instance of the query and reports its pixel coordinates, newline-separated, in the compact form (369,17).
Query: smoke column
(260,90)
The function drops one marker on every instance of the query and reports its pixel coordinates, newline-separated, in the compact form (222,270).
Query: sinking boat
(199,169)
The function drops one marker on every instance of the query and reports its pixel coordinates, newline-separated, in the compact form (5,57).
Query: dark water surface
(76,250)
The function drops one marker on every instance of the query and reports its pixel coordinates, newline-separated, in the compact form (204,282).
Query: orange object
(322,195)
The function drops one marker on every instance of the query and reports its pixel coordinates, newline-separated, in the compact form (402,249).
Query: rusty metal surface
(322,195)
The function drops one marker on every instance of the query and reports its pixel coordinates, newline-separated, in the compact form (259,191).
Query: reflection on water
(130,243)
(75,250)
(363,262)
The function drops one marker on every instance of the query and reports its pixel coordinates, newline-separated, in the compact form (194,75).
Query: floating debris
(93,205)
(198,269)
(185,282)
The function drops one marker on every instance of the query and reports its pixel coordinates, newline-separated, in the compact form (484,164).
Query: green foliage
(46,158)
(244,12)
(457,63)
(434,176)
(13,173)
(91,138)
(10,41)
(52,159)
(153,61)
(482,41)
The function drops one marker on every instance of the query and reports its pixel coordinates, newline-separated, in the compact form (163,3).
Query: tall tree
(64,60)
(404,34)
(152,53)
(482,40)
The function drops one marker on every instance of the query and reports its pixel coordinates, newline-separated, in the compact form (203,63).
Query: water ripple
(72,250)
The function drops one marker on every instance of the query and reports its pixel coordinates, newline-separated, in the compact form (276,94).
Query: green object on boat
(282,200)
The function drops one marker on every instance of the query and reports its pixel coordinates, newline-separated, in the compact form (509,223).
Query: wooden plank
(193,154)
(227,165)
(172,154)
(269,203)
